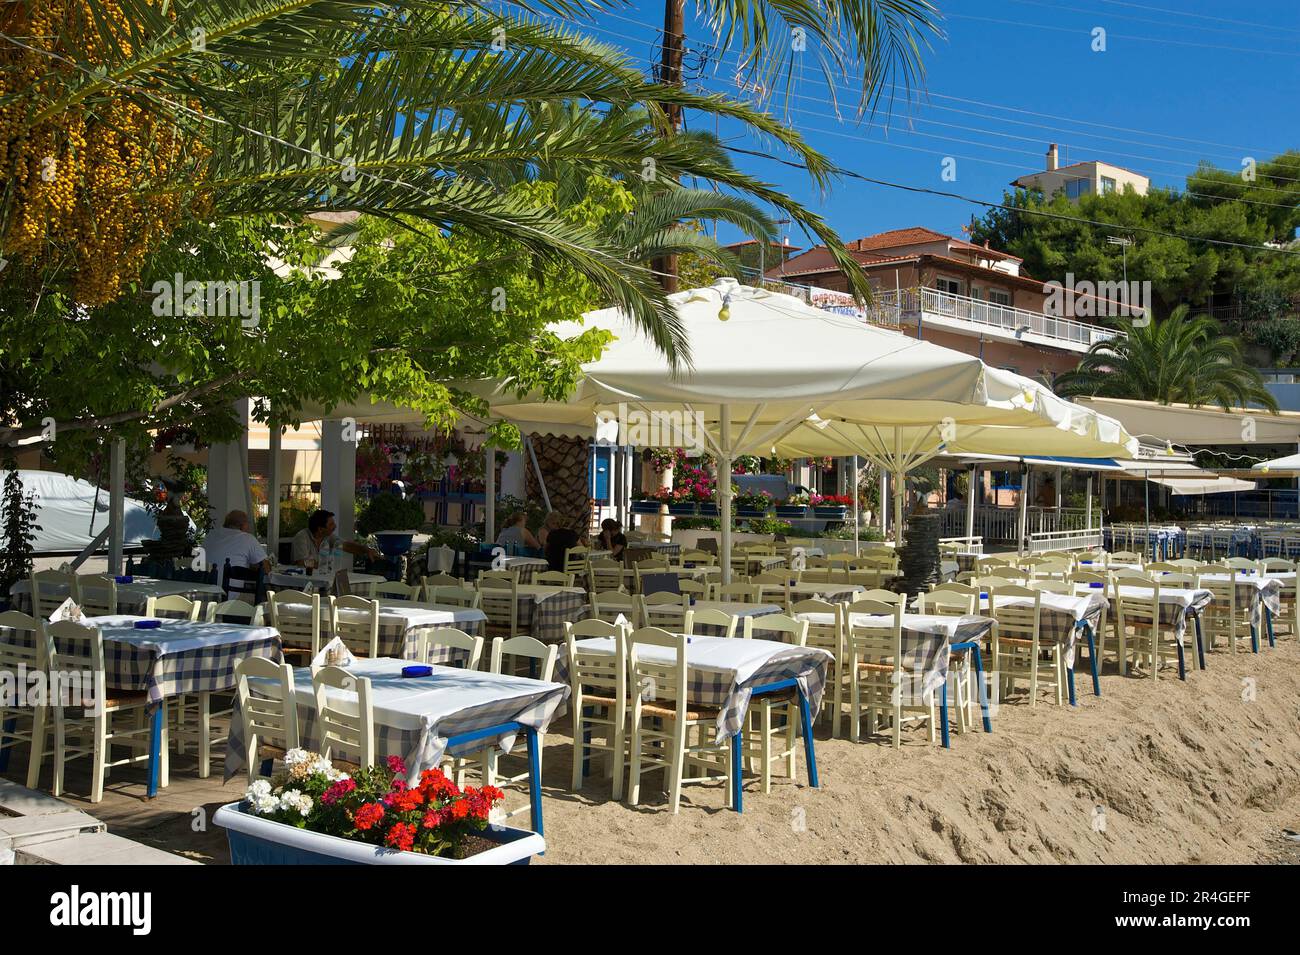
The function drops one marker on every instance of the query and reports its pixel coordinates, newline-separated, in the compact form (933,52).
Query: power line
(1042,213)
(1254,34)
(1200,16)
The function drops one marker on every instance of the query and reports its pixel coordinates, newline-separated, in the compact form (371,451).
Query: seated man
(232,541)
(318,538)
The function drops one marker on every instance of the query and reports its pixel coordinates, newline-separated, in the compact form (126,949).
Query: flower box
(645,507)
(257,841)
(791,512)
(747,513)
(682,508)
(830,512)
(709,509)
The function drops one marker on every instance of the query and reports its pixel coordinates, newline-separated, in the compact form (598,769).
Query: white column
(116,504)
(228,473)
(856,508)
(1024,505)
(1087,507)
(883,518)
(1060,476)
(724,488)
(970,503)
(514,475)
(272,492)
(338,475)
(900,487)
(489,495)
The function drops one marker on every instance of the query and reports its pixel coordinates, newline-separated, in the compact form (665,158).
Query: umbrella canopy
(1290,462)
(1208,485)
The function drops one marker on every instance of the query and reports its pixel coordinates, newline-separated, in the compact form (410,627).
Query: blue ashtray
(984,596)
(1096,584)
(1085,562)
(417,669)
(148,624)
(125,579)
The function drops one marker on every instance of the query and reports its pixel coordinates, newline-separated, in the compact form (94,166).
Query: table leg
(1092,661)
(155,747)
(1182,667)
(1254,637)
(983,690)
(534,780)
(809,749)
(737,789)
(1200,640)
(1069,683)
(1268,622)
(943,715)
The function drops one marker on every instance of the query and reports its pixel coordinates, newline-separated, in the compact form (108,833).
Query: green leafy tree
(20,529)
(1181,359)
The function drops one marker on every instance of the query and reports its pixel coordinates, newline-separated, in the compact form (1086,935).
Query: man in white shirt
(232,540)
(318,538)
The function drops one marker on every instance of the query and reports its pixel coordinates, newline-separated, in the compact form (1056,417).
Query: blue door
(598,465)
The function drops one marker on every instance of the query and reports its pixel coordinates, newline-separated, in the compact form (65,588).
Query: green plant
(20,529)
(697,524)
(769,525)
(388,512)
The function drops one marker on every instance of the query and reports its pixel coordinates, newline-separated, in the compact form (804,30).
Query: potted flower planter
(645,507)
(791,512)
(682,509)
(708,509)
(257,841)
(747,513)
(830,512)
(394,543)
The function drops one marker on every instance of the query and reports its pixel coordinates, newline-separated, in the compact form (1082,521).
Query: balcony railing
(897,307)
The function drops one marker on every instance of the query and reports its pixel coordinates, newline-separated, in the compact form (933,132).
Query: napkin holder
(68,610)
(333,654)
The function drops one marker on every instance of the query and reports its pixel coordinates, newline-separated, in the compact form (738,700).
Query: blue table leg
(1254,638)
(1092,660)
(4,753)
(983,690)
(737,789)
(1069,672)
(1182,667)
(534,780)
(943,715)
(155,748)
(1200,640)
(1268,621)
(809,748)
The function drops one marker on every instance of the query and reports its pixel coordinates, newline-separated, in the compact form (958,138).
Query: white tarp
(71,513)
(1209,485)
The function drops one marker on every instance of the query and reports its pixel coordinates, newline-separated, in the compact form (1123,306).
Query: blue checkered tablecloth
(132,598)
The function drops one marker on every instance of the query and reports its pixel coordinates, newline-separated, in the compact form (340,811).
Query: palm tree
(415,107)
(1180,359)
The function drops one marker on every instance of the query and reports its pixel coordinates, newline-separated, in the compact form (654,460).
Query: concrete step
(96,848)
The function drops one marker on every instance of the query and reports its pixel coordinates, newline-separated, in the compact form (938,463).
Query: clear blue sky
(1180,81)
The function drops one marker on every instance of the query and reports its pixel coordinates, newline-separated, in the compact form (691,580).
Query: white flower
(298,755)
(296,800)
(260,797)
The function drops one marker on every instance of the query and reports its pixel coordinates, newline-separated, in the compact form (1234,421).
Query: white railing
(901,307)
(1065,540)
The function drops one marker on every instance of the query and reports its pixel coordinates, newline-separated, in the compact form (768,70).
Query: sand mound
(1162,772)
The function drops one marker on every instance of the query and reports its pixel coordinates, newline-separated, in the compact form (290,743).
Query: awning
(1184,424)
(1035,461)
(1213,485)
(1288,466)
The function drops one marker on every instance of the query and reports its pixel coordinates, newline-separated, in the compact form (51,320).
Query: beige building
(1082,178)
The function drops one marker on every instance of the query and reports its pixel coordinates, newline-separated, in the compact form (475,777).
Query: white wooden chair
(1151,640)
(875,656)
(599,699)
(605,575)
(953,603)
(828,636)
(355,621)
(173,607)
(663,720)
(450,638)
(761,731)
(693,589)
(1225,617)
(663,610)
(699,557)
(49,589)
(744,593)
(78,656)
(499,599)
(1018,647)
(710,617)
(575,560)
(505,658)
(98,593)
(297,615)
(342,723)
(235,611)
(1275,567)
(554,578)
(457,595)
(23,648)
(441,580)
(610,605)
(397,590)
(268,711)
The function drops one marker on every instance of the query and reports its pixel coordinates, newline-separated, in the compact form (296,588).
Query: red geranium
(368,815)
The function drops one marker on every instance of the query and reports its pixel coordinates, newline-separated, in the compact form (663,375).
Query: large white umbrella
(763,364)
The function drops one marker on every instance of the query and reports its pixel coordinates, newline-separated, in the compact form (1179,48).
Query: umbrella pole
(855,506)
(489,496)
(724,488)
(900,487)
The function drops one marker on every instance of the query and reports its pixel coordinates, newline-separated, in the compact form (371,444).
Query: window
(997,296)
(1074,188)
(951,286)
(1107,185)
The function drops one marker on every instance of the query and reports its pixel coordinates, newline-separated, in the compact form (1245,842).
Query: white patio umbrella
(763,364)
(1290,462)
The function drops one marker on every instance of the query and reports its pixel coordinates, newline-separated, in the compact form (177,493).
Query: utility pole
(670,74)
(1123,243)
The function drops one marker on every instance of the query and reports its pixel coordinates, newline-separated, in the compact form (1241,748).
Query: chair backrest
(399,590)
(355,621)
(604,673)
(455,639)
(710,617)
(340,722)
(247,582)
(663,609)
(609,605)
(880,596)
(699,557)
(98,594)
(986,584)
(22,647)
(460,595)
(605,574)
(1241,563)
(786,628)
(49,589)
(76,652)
(442,580)
(499,600)
(946,603)
(657,681)
(1126,557)
(745,593)
(1143,606)
(1091,577)
(875,640)
(953,587)
(526,648)
(554,578)
(1274,565)
(498,578)
(267,704)
(235,611)
(693,588)
(1022,619)
(827,635)
(1051,585)
(297,616)
(575,560)
(1224,589)
(172,607)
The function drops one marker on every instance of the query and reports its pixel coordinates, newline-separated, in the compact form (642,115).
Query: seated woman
(515,536)
(559,539)
(551,523)
(611,538)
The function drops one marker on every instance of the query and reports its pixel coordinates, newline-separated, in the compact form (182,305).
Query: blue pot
(750,513)
(645,507)
(394,543)
(709,509)
(791,512)
(833,512)
(685,509)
